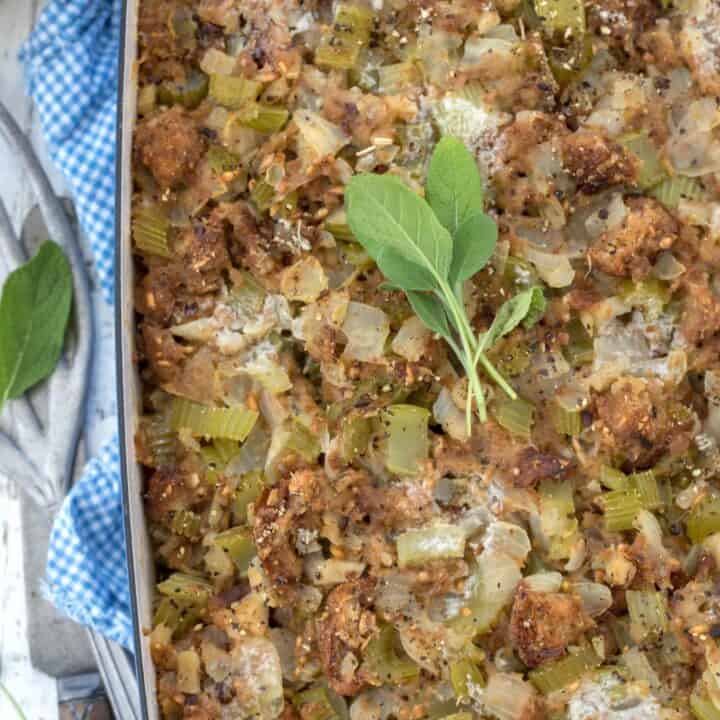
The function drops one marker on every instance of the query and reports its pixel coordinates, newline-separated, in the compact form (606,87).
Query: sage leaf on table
(34,313)
(429,249)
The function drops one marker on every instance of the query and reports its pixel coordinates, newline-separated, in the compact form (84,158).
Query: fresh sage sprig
(429,249)
(34,312)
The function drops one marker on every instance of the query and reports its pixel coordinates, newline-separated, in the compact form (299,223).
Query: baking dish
(140,561)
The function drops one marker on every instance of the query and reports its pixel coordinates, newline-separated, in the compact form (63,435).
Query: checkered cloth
(71,62)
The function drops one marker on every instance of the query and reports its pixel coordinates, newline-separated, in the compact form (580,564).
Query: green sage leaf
(34,313)
(454,185)
(388,219)
(473,245)
(431,312)
(526,307)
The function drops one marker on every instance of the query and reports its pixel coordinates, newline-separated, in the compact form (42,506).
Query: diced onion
(304,281)
(411,339)
(450,417)
(554,269)
(367,329)
(508,697)
(547,582)
(596,597)
(332,571)
(440,541)
(216,62)
(321,137)
(507,538)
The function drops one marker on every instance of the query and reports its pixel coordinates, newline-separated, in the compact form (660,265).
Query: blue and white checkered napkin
(71,62)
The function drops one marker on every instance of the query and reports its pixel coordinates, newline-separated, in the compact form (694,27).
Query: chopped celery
(178,616)
(651,169)
(239,545)
(248,491)
(234,423)
(510,356)
(557,517)
(350,33)
(315,704)
(520,274)
(264,118)
(221,160)
(385,659)
(647,486)
(337,57)
(703,708)
(516,416)
(262,194)
(186,588)
(568,62)
(648,612)
(559,674)
(150,230)
(232,92)
(672,190)
(651,295)
(564,18)
(567,416)
(226,449)
(621,508)
(464,674)
(704,520)
(158,439)
(186,523)
(612,478)
(406,438)
(355,433)
(291,438)
(417,547)
(579,350)
(189,93)
(395,78)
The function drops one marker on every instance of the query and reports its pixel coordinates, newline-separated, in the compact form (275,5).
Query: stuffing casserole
(332,541)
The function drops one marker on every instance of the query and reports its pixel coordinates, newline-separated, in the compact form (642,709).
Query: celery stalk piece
(612,478)
(158,438)
(559,674)
(703,708)
(417,547)
(221,160)
(248,491)
(557,517)
(648,610)
(178,616)
(647,487)
(516,416)
(567,418)
(262,194)
(150,230)
(186,523)
(355,433)
(672,190)
(189,93)
(385,660)
(186,589)
(350,33)
(406,438)
(264,118)
(704,520)
(239,545)
(233,423)
(652,171)
(579,350)
(564,18)
(621,508)
(314,704)
(232,92)
(464,674)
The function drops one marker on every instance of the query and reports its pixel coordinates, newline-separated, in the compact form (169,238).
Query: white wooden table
(35,692)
